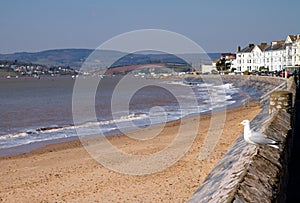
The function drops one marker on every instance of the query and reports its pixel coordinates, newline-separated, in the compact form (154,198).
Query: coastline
(65,171)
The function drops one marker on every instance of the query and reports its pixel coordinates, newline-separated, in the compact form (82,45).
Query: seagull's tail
(274,145)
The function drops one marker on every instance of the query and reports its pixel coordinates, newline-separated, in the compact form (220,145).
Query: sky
(216,25)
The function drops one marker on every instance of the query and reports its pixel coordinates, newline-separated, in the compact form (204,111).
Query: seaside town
(277,58)
(149,101)
(264,59)
(21,69)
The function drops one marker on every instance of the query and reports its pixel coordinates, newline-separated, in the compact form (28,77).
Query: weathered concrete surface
(281,100)
(252,174)
(248,173)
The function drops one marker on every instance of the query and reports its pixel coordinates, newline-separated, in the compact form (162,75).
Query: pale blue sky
(217,26)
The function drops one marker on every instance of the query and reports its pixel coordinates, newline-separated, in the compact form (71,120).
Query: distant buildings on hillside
(15,68)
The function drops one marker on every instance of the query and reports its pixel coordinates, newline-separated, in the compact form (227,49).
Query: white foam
(34,133)
(213,97)
(13,135)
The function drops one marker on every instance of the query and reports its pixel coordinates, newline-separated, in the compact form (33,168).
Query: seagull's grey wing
(260,138)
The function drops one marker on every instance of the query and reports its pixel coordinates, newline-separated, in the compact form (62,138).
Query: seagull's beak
(240,124)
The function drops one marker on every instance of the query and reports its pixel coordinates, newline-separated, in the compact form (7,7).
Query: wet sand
(65,172)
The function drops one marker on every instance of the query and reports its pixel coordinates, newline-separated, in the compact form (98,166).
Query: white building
(274,56)
(244,58)
(296,52)
(257,56)
(226,62)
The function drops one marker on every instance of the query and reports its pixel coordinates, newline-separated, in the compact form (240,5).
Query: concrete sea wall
(249,173)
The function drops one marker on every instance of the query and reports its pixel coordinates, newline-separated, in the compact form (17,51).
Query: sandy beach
(65,172)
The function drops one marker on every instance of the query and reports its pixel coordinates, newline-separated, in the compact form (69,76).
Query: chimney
(238,48)
(263,44)
(251,45)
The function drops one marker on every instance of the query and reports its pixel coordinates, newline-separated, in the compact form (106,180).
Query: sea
(35,112)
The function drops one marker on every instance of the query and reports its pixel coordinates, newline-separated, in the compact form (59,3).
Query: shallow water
(41,110)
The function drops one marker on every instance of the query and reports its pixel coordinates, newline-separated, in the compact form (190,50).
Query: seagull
(257,138)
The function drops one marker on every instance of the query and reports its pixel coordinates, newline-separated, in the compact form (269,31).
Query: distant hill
(136,59)
(75,57)
(68,57)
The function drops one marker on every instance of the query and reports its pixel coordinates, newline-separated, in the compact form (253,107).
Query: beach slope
(65,172)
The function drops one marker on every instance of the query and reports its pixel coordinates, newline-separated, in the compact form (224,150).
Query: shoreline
(65,171)
(30,147)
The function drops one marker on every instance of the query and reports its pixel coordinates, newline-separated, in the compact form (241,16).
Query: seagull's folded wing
(260,138)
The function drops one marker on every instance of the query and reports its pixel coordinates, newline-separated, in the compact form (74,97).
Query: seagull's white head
(245,122)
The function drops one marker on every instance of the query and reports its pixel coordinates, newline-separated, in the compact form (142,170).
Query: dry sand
(65,172)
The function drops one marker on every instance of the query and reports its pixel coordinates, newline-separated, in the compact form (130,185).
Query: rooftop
(247,49)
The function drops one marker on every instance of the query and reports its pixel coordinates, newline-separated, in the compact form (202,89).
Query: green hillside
(75,57)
